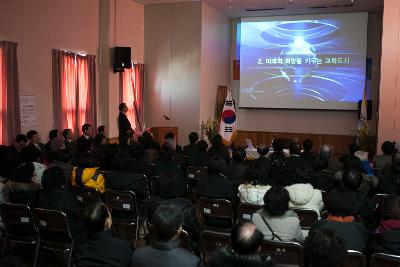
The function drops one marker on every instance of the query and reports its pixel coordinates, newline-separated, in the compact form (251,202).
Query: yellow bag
(89,177)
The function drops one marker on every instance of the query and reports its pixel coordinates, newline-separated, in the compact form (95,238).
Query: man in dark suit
(295,161)
(263,163)
(192,147)
(124,126)
(86,140)
(34,144)
(235,172)
(70,144)
(15,151)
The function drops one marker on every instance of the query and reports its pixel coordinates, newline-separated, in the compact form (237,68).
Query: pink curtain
(132,92)
(10,121)
(73,90)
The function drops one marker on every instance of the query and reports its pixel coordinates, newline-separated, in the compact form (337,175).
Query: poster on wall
(27,105)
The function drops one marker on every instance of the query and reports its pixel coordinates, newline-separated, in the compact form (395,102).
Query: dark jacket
(387,242)
(63,200)
(199,159)
(84,144)
(124,126)
(15,157)
(220,150)
(217,186)
(227,258)
(308,156)
(262,163)
(293,162)
(190,149)
(354,234)
(105,250)
(126,181)
(167,254)
(235,172)
(23,193)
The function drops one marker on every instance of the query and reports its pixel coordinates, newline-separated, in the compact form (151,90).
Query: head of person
(68,134)
(101,129)
(33,136)
(353,148)
(216,164)
(278,161)
(202,145)
(86,129)
(97,217)
(340,203)
(100,139)
(276,201)
(262,150)
(246,238)
(326,151)
(239,155)
(193,137)
(216,141)
(53,134)
(308,145)
(169,139)
(388,148)
(294,148)
(302,174)
(53,179)
(255,174)
(123,107)
(25,173)
(20,142)
(277,145)
(352,179)
(169,185)
(325,248)
(167,221)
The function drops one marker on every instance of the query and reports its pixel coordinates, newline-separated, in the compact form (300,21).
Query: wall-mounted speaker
(369,109)
(122,58)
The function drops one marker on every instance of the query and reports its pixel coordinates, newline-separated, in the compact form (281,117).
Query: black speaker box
(122,58)
(369,109)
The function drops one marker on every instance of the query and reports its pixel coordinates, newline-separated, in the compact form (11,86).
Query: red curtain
(74,88)
(132,93)
(10,121)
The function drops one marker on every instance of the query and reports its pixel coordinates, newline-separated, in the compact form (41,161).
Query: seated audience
(151,148)
(254,187)
(325,248)
(55,196)
(386,237)
(99,149)
(167,162)
(87,174)
(236,171)
(295,161)
(15,151)
(169,189)
(341,218)
(263,162)
(138,165)
(23,188)
(102,249)
(6,167)
(218,148)
(275,220)
(192,146)
(200,157)
(307,154)
(388,149)
(322,178)
(34,143)
(32,155)
(246,242)
(122,179)
(167,224)
(334,165)
(389,183)
(54,142)
(169,140)
(101,130)
(62,159)
(69,143)
(217,185)
(85,141)
(279,174)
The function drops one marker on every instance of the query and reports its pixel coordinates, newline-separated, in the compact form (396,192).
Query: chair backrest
(307,217)
(86,195)
(53,226)
(215,209)
(18,222)
(384,260)
(245,211)
(123,205)
(194,174)
(355,259)
(210,241)
(379,199)
(284,253)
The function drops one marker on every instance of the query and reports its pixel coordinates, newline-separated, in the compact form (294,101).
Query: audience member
(87,174)
(334,165)
(169,140)
(15,150)
(388,150)
(32,155)
(151,148)
(99,149)
(325,248)
(307,154)
(54,142)
(389,183)
(218,148)
(23,188)
(322,178)
(6,167)
(279,174)
(34,142)
(55,196)
(192,146)
(295,161)
(275,220)
(236,171)
(254,188)
(386,237)
(139,165)
(102,249)
(167,162)
(167,224)
(341,218)
(101,129)
(246,243)
(69,143)
(85,142)
(200,157)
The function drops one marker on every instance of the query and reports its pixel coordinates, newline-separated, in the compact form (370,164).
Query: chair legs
(36,256)
(70,256)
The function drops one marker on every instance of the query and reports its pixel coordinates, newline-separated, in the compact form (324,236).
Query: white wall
(312,121)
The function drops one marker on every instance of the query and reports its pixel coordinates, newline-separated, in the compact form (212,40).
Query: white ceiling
(245,8)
